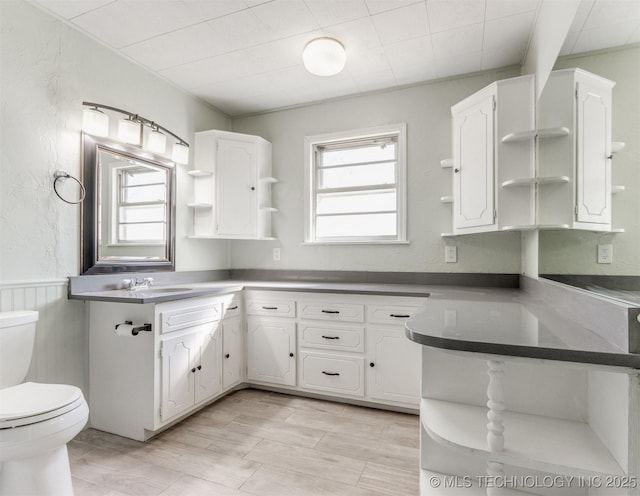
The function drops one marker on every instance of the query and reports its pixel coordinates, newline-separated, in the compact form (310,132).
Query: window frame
(398,131)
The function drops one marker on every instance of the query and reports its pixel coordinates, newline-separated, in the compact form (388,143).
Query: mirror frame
(89,263)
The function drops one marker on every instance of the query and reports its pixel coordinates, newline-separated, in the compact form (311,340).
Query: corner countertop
(511,323)
(159,294)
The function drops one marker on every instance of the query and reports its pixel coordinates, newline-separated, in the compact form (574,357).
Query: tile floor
(255,442)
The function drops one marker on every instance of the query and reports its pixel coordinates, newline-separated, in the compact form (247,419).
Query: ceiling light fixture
(131,129)
(324,56)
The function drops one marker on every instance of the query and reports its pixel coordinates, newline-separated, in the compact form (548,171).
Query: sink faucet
(137,283)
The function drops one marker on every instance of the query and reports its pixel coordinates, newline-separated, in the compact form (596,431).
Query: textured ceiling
(244,56)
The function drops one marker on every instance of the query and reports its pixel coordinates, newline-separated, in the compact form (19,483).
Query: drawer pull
(234,307)
(269,308)
(399,315)
(330,373)
(330,337)
(372,364)
(193,370)
(331,311)
(199,367)
(227,355)
(291,355)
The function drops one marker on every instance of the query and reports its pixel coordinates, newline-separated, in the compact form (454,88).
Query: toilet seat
(32,402)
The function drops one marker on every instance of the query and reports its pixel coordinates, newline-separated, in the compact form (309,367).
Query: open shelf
(528,181)
(537,227)
(200,205)
(268,180)
(268,209)
(446,199)
(447,163)
(616,146)
(617,189)
(619,230)
(552,132)
(535,442)
(199,173)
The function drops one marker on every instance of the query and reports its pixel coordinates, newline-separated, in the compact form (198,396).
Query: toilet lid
(34,402)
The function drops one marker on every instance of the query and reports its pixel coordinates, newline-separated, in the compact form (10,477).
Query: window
(356,186)
(141,205)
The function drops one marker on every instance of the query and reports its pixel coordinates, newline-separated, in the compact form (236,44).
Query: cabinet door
(178,356)
(394,366)
(232,352)
(208,363)
(271,347)
(236,188)
(473,162)
(593,174)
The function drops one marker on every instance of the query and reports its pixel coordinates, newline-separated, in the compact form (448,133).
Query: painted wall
(426,110)
(574,252)
(48,70)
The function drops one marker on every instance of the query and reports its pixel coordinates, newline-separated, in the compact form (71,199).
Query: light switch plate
(450,254)
(605,254)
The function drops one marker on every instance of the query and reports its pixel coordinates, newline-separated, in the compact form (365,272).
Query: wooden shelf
(537,227)
(553,132)
(199,173)
(447,163)
(200,205)
(446,199)
(617,189)
(547,444)
(528,181)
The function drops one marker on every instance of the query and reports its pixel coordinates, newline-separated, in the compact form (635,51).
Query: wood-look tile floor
(255,442)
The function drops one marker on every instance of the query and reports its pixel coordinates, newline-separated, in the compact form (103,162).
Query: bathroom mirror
(128,215)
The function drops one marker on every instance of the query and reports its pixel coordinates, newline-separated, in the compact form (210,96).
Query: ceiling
(244,56)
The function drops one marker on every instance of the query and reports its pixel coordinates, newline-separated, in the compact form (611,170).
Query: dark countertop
(510,323)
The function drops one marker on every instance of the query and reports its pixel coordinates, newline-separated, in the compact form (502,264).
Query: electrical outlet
(450,254)
(605,254)
(276,254)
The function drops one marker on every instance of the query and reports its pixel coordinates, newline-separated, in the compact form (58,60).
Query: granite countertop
(159,294)
(511,323)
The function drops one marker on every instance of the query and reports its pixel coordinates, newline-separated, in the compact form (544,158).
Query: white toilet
(36,420)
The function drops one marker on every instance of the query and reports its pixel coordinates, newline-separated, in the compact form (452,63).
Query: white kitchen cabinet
(481,160)
(190,369)
(232,352)
(232,186)
(271,351)
(581,103)
(332,373)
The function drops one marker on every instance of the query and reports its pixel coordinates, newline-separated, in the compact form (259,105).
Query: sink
(163,290)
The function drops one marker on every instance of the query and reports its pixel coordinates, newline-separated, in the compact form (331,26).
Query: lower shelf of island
(547,444)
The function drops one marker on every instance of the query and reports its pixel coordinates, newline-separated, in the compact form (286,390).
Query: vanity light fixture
(95,121)
(156,141)
(324,56)
(132,129)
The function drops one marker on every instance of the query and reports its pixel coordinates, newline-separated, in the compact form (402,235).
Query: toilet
(36,420)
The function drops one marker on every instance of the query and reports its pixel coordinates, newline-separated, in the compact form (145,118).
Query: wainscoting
(61,350)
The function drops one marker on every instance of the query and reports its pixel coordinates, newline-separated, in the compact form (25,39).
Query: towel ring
(62,175)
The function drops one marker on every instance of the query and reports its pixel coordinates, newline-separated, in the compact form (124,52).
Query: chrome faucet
(137,283)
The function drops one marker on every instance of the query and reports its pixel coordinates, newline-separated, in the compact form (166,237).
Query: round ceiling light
(324,56)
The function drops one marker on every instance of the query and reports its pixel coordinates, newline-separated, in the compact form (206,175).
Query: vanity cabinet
(232,186)
(581,103)
(481,160)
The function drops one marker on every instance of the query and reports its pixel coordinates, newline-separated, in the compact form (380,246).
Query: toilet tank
(17,334)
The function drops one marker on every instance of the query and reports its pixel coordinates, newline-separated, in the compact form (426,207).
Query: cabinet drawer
(390,314)
(344,375)
(277,308)
(234,308)
(173,320)
(332,337)
(343,312)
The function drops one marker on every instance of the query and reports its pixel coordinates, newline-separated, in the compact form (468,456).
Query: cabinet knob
(372,364)
(193,370)
(253,188)
(291,355)
(199,367)
(227,355)
(456,170)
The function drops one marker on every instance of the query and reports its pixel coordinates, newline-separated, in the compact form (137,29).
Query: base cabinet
(232,352)
(271,351)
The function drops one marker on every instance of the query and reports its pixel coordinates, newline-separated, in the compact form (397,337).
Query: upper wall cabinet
(232,186)
(581,102)
(483,159)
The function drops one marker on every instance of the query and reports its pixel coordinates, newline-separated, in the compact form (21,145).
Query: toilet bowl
(36,420)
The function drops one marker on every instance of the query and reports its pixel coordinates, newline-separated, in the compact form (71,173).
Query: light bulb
(157,142)
(180,153)
(95,122)
(129,131)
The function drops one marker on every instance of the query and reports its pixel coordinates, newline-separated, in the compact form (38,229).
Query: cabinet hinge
(495,215)
(576,211)
(160,353)
(160,412)
(494,104)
